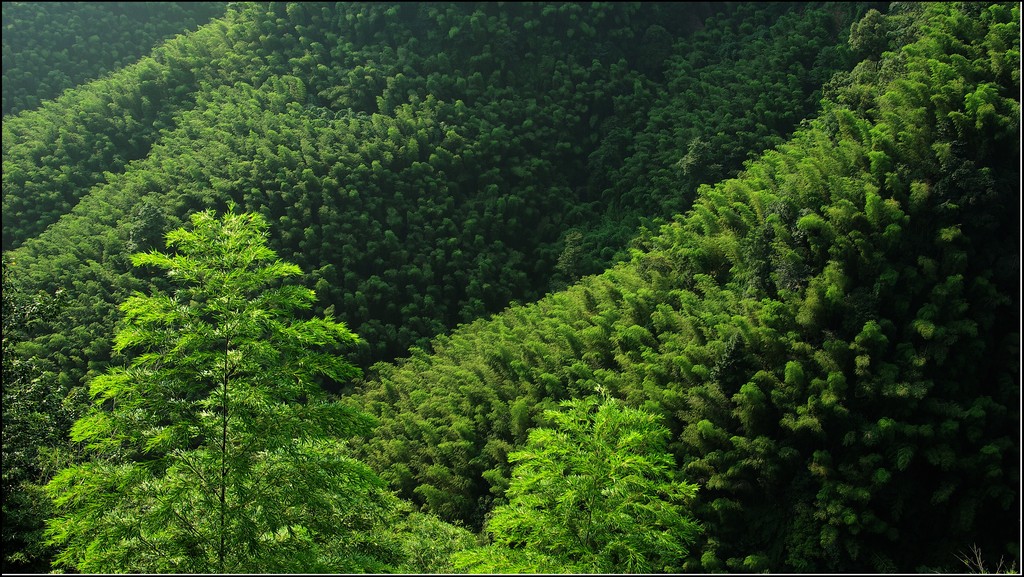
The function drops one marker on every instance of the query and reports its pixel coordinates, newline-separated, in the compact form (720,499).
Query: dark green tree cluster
(34,423)
(768,61)
(441,200)
(54,155)
(408,222)
(829,339)
(52,46)
(832,337)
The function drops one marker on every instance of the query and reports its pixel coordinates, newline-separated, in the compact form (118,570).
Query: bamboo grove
(745,275)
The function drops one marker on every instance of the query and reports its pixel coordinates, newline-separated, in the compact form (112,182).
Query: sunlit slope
(51,46)
(833,336)
(414,194)
(55,154)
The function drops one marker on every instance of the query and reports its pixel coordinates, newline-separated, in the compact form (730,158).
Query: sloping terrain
(832,336)
(829,327)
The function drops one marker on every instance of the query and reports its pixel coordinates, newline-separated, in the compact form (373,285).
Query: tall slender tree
(216,449)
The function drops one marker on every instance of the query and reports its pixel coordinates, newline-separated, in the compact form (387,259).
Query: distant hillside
(423,186)
(833,336)
(51,46)
(789,229)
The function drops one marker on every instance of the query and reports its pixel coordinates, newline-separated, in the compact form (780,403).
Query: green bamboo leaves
(216,449)
(596,493)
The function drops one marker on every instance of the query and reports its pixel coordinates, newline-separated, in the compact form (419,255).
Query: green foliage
(402,167)
(42,59)
(54,154)
(215,449)
(33,421)
(428,543)
(419,158)
(734,88)
(594,493)
(831,336)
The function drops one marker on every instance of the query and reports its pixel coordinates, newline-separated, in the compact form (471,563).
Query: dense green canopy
(788,232)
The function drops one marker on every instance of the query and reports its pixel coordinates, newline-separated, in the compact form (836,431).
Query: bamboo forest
(511,287)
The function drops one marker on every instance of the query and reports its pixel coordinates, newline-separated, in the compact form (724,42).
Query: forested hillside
(487,170)
(770,249)
(51,46)
(832,337)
